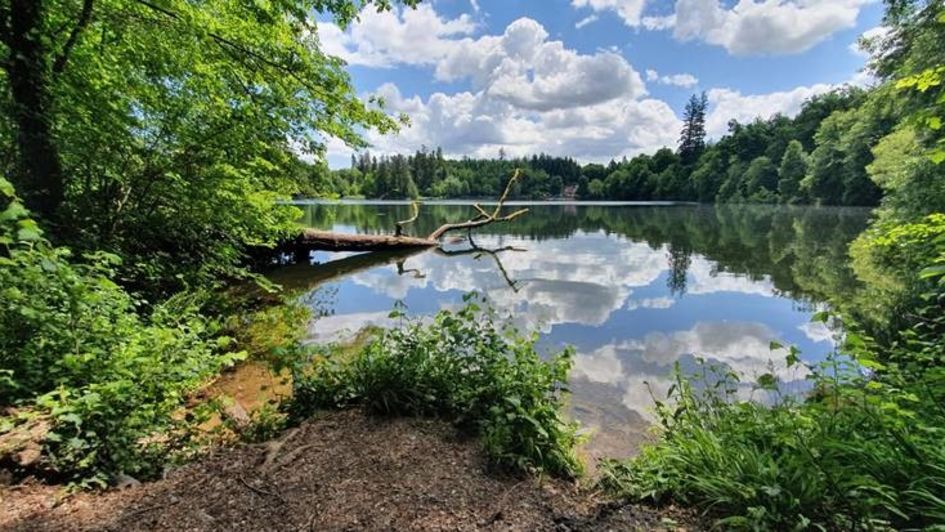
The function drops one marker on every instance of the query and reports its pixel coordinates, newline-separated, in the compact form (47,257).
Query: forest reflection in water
(635,289)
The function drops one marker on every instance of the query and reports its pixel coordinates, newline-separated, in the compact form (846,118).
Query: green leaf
(793,356)
(28,234)
(871,364)
(6,188)
(14,211)
(768,382)
(937,156)
(932,272)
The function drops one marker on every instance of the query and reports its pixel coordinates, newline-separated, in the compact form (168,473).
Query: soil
(339,471)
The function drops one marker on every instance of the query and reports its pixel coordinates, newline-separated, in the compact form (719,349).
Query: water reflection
(635,289)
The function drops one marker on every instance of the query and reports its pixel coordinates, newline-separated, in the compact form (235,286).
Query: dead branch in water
(402,223)
(477,252)
(484,217)
(313,239)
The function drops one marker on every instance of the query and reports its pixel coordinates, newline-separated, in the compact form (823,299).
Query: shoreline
(338,470)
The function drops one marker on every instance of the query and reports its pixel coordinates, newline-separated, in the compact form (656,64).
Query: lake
(635,288)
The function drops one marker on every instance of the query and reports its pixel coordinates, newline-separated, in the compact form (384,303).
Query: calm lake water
(634,288)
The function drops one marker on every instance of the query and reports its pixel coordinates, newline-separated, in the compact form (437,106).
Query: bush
(861,452)
(465,367)
(74,351)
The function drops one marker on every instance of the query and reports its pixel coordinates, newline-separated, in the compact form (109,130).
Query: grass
(860,454)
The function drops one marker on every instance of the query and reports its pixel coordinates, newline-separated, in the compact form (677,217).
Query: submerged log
(316,240)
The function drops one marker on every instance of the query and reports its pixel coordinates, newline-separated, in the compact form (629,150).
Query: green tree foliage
(165,131)
(825,182)
(918,42)
(761,180)
(792,171)
(708,176)
(844,141)
(429,174)
(903,162)
(819,107)
(912,183)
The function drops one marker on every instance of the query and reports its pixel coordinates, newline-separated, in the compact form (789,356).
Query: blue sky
(592,79)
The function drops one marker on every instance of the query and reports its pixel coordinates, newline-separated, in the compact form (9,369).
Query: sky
(591,79)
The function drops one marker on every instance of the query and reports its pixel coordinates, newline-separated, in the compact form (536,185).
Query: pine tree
(692,138)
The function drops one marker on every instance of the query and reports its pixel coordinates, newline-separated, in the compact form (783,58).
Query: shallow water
(635,288)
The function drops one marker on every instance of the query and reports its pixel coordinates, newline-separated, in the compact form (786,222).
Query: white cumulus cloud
(480,123)
(528,93)
(730,104)
(745,27)
(659,23)
(630,11)
(753,27)
(677,80)
(400,36)
(529,71)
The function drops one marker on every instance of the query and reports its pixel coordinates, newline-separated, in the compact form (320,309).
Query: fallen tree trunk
(313,239)
(316,240)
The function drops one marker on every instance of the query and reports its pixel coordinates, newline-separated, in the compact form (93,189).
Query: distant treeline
(821,156)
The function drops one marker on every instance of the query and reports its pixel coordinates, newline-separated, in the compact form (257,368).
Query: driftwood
(315,240)
(303,277)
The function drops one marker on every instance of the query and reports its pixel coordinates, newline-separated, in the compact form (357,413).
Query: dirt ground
(339,471)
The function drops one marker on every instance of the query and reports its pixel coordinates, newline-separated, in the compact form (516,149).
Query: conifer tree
(692,138)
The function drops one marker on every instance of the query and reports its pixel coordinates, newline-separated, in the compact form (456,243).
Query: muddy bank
(340,471)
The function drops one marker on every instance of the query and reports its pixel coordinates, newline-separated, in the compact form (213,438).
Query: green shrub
(861,452)
(74,350)
(465,366)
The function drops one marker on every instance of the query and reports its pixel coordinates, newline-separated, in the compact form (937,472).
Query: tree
(913,184)
(761,177)
(595,171)
(825,181)
(708,175)
(819,107)
(692,138)
(911,54)
(124,112)
(732,187)
(792,171)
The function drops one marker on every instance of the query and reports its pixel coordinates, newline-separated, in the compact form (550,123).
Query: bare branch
(484,217)
(402,223)
(480,209)
(310,239)
(84,17)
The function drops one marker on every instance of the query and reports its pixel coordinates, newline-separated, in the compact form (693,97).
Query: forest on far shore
(823,155)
